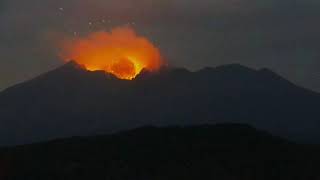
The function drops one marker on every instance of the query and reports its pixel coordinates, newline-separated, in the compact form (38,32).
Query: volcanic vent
(121,52)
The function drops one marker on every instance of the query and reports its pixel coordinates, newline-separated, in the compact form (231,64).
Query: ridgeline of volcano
(71,101)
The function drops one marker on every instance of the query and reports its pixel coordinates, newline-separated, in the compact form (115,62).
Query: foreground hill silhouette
(70,101)
(225,151)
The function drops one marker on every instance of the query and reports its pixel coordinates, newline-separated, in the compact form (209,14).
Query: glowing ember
(120,52)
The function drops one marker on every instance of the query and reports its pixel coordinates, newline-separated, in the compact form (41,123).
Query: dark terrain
(226,151)
(70,101)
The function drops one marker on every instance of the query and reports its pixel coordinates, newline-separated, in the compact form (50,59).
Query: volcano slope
(71,101)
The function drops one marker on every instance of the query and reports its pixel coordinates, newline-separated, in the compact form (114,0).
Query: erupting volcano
(121,52)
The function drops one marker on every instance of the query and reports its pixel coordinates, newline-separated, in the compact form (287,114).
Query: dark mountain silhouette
(70,101)
(225,151)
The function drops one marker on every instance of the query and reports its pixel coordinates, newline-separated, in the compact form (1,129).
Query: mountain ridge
(222,151)
(74,66)
(72,101)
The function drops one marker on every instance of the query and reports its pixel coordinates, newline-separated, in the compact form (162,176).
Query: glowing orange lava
(120,52)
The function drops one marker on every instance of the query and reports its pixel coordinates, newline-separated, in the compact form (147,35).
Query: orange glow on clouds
(121,52)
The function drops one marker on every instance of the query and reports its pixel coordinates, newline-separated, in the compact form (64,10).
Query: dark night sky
(282,35)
